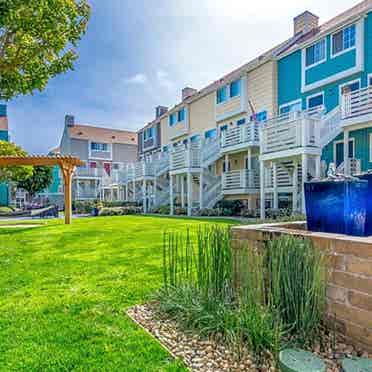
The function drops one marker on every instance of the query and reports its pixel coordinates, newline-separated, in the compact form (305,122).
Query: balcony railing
(89,172)
(246,134)
(289,131)
(185,156)
(241,179)
(144,169)
(357,103)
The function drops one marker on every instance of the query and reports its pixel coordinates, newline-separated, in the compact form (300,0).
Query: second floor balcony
(291,134)
(89,172)
(185,156)
(240,137)
(356,107)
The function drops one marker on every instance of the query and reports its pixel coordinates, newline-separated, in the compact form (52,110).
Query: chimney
(188,92)
(69,120)
(305,22)
(160,110)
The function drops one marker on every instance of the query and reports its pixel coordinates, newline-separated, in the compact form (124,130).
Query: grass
(64,291)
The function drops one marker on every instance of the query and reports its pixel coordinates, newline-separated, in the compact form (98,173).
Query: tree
(41,178)
(37,42)
(13,173)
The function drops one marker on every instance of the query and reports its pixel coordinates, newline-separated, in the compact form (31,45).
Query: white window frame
(347,83)
(352,139)
(100,143)
(290,103)
(92,153)
(228,91)
(314,95)
(348,49)
(325,53)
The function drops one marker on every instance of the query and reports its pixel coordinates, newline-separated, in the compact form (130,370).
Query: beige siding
(202,114)
(165,135)
(231,106)
(262,88)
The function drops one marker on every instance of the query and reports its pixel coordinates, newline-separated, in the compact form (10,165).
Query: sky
(137,54)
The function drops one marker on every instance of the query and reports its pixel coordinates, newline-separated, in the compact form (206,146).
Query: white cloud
(137,79)
(164,80)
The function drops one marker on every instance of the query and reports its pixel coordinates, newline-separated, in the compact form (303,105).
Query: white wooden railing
(210,151)
(144,169)
(289,131)
(240,179)
(89,172)
(185,156)
(247,133)
(213,194)
(356,103)
(161,165)
(354,166)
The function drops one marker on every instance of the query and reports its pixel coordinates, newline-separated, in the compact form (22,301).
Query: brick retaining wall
(349,291)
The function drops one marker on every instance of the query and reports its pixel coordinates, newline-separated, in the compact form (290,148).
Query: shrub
(209,212)
(5,211)
(84,206)
(163,209)
(119,211)
(230,207)
(179,211)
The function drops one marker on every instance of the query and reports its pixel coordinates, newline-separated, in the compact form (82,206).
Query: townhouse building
(106,152)
(258,133)
(4,136)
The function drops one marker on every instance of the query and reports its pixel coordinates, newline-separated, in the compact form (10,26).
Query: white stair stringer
(330,126)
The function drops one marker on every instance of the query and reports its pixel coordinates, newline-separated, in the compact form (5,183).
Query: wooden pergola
(66,163)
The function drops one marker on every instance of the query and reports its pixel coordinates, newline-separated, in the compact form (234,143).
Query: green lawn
(64,291)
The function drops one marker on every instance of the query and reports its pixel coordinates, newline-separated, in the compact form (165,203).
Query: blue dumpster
(337,206)
(368,177)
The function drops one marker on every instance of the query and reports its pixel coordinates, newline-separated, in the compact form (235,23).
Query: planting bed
(207,355)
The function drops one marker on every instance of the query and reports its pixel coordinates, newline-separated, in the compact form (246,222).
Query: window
(235,87)
(181,115)
(222,94)
(370,80)
(194,138)
(350,87)
(172,119)
(96,146)
(165,148)
(116,166)
(212,133)
(259,116)
(223,127)
(148,133)
(315,101)
(289,107)
(316,53)
(343,40)
(92,164)
(240,122)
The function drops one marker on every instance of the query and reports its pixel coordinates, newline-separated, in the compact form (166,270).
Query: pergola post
(67,181)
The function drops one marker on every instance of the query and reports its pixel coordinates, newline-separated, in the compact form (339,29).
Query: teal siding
(331,66)
(289,78)
(4,136)
(53,188)
(4,196)
(362,148)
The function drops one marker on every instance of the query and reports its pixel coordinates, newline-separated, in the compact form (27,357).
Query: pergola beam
(66,163)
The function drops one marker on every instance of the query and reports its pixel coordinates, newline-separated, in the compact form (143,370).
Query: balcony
(144,169)
(240,137)
(86,172)
(184,157)
(291,134)
(240,181)
(356,107)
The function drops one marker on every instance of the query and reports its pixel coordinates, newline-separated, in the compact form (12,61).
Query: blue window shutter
(240,122)
(235,88)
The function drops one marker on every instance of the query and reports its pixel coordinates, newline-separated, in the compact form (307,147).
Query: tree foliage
(41,178)
(13,173)
(38,39)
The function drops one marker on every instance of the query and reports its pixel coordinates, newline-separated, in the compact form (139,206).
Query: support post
(304,179)
(262,190)
(346,153)
(134,191)
(317,167)
(144,196)
(201,181)
(67,181)
(295,186)
(189,193)
(275,185)
(182,180)
(155,190)
(171,195)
